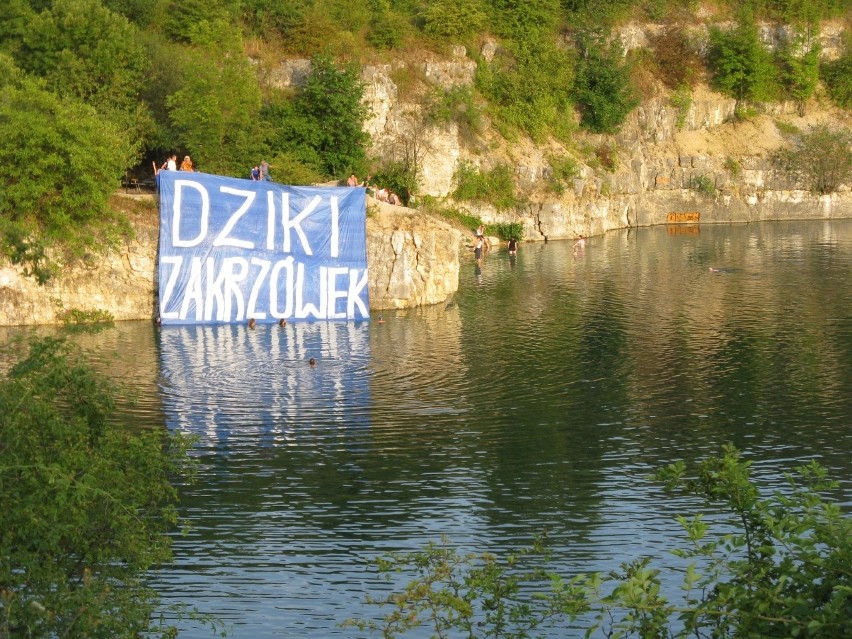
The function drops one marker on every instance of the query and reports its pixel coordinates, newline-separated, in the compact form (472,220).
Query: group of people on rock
(171,164)
(381,194)
(260,172)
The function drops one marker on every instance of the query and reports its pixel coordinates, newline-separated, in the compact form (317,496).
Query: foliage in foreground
(783,570)
(86,502)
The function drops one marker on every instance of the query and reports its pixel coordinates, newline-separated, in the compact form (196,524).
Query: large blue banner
(232,249)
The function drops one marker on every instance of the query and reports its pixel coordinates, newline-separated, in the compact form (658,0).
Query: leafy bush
(704,184)
(528,87)
(214,114)
(456,216)
(399,177)
(821,158)
(506,230)
(453,19)
(740,65)
(323,125)
(678,61)
(496,187)
(84,50)
(59,163)
(602,88)
(87,502)
(800,68)
(456,104)
(838,76)
(564,169)
(681,99)
(778,566)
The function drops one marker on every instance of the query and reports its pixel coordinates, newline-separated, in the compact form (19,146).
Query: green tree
(86,502)
(779,566)
(800,65)
(838,76)
(602,88)
(84,50)
(453,18)
(528,87)
(323,125)
(59,163)
(214,114)
(741,66)
(820,159)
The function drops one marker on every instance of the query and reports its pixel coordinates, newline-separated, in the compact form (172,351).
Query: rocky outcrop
(121,282)
(413,260)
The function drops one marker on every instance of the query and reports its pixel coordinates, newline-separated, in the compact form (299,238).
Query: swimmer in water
(252,323)
(312,362)
(282,322)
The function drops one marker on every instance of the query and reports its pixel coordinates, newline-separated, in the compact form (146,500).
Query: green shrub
(681,100)
(79,316)
(506,230)
(456,104)
(799,60)
(59,163)
(704,184)
(603,88)
(528,87)
(740,64)
(322,126)
(215,112)
(459,217)
(787,128)
(496,187)
(87,502)
(733,167)
(820,159)
(453,19)
(775,566)
(838,76)
(564,169)
(399,177)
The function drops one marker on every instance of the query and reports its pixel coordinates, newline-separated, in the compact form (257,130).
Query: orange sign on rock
(691,217)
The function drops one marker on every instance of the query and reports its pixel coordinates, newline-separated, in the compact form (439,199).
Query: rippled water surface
(540,398)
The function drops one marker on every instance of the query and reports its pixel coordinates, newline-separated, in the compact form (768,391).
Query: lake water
(540,398)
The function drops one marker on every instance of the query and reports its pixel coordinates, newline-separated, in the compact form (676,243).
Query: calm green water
(539,399)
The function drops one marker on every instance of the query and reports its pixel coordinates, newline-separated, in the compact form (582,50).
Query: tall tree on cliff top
(59,163)
(323,125)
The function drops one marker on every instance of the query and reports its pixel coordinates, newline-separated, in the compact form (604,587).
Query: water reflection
(257,385)
(539,398)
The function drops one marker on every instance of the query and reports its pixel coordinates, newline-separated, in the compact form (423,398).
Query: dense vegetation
(771,566)
(91,90)
(86,501)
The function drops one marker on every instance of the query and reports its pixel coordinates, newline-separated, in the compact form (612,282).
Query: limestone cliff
(413,260)
(659,155)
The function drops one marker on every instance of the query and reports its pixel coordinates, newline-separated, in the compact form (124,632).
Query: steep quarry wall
(659,156)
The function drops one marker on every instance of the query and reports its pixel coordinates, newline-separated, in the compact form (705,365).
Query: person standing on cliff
(264,171)
(186,165)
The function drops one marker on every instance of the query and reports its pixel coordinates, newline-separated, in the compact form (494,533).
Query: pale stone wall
(413,260)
